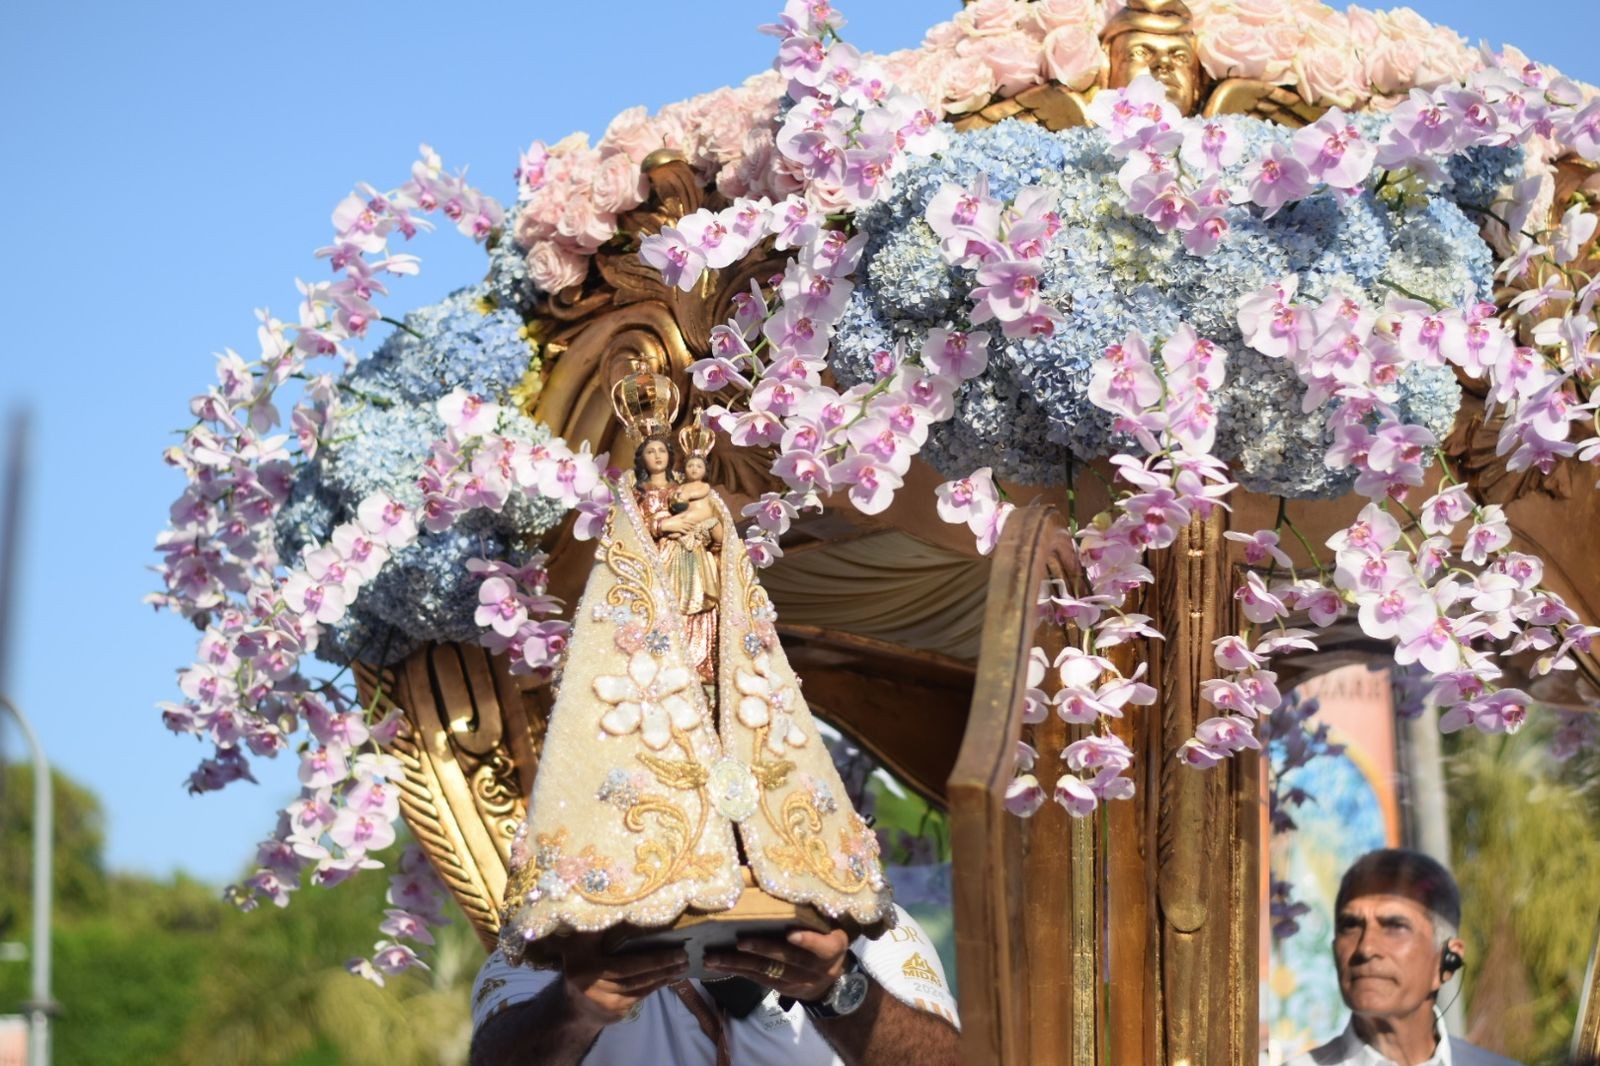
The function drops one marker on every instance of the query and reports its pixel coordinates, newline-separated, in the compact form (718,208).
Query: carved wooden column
(1205,823)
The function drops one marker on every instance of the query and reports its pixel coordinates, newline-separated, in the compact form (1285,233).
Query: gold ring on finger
(774,969)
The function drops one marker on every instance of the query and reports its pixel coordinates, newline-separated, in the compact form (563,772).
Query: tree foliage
(149,970)
(1527,844)
(78,866)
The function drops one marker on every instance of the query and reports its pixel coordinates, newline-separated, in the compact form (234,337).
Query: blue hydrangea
(1110,275)
(379,442)
(460,347)
(508,283)
(1480,176)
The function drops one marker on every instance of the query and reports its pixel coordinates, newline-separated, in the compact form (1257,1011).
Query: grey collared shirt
(1348,1049)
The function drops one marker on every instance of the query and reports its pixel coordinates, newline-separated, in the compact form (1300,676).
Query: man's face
(1388,961)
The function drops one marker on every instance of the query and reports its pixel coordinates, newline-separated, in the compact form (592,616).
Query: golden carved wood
(470,752)
(1208,851)
(1016,893)
(624,318)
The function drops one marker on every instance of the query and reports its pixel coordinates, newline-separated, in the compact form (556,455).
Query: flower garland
(830,159)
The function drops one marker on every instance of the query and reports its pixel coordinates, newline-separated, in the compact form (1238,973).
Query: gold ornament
(646,403)
(1155,37)
(696,439)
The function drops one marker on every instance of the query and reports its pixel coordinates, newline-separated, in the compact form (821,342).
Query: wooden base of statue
(757,913)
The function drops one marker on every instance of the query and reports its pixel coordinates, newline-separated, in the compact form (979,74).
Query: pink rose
(1013,59)
(1364,28)
(1448,61)
(989,17)
(1073,56)
(751,174)
(759,98)
(942,37)
(966,84)
(1232,47)
(538,218)
(631,134)
(1402,46)
(554,268)
(619,185)
(917,72)
(1327,68)
(722,124)
(676,122)
(582,224)
(1048,15)
(1262,12)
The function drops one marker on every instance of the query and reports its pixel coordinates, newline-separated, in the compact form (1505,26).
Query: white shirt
(903,961)
(1348,1049)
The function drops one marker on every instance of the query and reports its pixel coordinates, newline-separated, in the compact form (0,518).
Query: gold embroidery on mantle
(667,857)
(632,590)
(803,850)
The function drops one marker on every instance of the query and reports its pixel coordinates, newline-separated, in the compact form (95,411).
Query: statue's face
(656,456)
(694,468)
(1171,60)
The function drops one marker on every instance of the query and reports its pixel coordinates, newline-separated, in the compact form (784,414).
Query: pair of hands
(804,965)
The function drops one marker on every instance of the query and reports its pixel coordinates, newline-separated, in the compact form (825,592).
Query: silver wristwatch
(846,995)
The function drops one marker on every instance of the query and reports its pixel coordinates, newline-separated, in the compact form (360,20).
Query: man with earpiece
(1396,947)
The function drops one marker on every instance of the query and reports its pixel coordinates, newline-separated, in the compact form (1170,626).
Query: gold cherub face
(1168,58)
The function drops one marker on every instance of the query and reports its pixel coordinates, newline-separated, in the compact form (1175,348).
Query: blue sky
(171,166)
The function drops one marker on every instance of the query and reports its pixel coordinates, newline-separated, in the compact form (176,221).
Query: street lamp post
(40,1007)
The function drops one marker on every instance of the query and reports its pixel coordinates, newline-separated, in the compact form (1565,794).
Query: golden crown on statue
(697,439)
(646,403)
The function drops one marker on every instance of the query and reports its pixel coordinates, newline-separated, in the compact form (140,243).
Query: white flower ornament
(765,697)
(648,698)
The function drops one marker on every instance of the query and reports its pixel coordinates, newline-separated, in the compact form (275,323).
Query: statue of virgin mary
(658,794)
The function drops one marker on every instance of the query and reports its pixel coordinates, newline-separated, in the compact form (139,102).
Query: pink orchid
(1210,145)
(1024,796)
(872,483)
(675,256)
(1333,150)
(956,355)
(1487,536)
(1075,797)
(965,498)
(468,415)
(1232,653)
(1277,178)
(1226,734)
(988,527)
(1258,604)
(1259,547)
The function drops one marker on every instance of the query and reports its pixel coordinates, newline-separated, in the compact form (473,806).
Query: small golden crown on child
(697,439)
